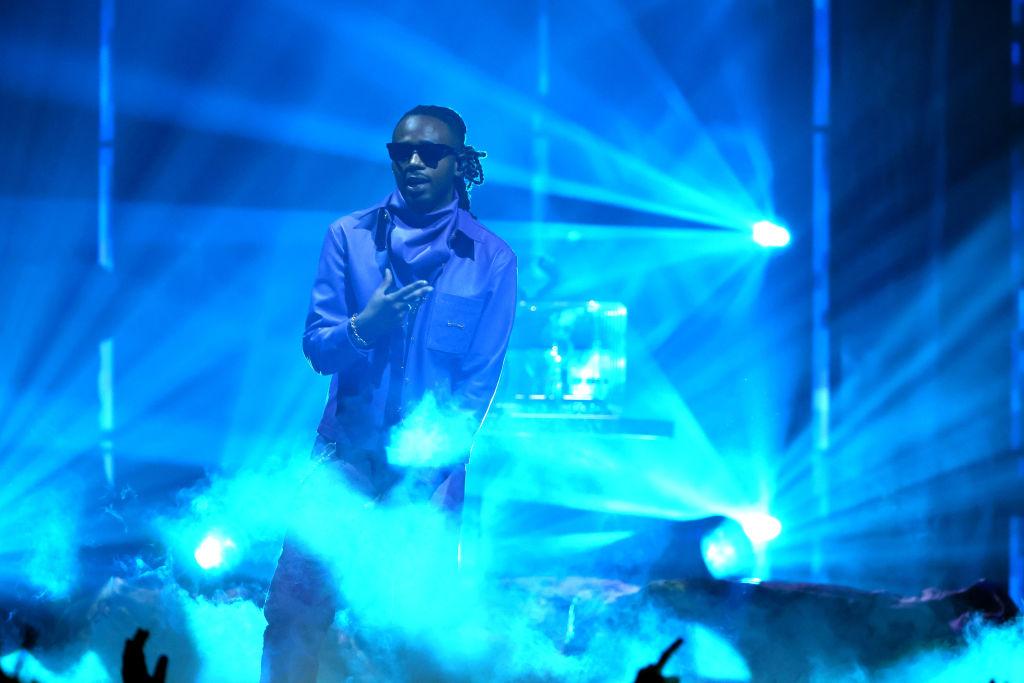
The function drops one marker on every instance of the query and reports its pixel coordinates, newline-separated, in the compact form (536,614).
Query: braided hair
(467,158)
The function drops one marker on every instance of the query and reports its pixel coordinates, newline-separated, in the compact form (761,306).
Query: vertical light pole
(1016,568)
(104,246)
(820,337)
(541,144)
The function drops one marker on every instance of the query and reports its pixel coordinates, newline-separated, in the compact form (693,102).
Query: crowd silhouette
(135,669)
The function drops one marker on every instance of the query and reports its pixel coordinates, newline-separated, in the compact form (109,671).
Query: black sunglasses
(430,153)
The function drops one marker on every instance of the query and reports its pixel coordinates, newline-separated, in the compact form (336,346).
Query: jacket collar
(377,218)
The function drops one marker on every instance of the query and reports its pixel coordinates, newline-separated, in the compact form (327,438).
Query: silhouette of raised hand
(4,678)
(133,661)
(29,638)
(652,673)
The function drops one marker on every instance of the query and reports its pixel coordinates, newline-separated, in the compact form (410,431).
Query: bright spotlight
(760,527)
(719,554)
(727,552)
(768,234)
(210,553)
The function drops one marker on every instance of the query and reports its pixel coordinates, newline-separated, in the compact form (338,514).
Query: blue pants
(303,599)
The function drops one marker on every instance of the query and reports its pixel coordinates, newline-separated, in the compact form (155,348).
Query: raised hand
(385,311)
(4,678)
(652,673)
(133,661)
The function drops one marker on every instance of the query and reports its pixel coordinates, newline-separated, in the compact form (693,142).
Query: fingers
(417,293)
(386,282)
(406,292)
(402,300)
(160,675)
(667,654)
(132,657)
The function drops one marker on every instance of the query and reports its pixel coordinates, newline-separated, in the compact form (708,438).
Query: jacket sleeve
(326,341)
(478,377)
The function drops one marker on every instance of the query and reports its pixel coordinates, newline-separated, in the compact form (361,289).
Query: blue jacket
(453,345)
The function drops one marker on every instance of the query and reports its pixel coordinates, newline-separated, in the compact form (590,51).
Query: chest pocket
(453,322)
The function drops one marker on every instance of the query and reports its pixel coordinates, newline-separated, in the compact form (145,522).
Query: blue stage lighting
(760,527)
(727,551)
(211,552)
(719,554)
(768,234)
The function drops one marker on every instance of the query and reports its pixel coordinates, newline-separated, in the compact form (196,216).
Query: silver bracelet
(355,333)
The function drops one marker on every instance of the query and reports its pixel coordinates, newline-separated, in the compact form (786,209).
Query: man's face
(425,188)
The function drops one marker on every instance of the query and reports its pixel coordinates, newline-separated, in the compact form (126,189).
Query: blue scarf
(419,241)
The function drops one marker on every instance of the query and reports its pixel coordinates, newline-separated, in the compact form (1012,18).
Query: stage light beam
(760,527)
(728,552)
(210,553)
(768,234)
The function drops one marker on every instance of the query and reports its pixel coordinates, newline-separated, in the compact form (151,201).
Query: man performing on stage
(412,296)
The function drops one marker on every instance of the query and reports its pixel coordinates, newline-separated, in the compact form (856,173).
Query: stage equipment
(567,358)
(728,551)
